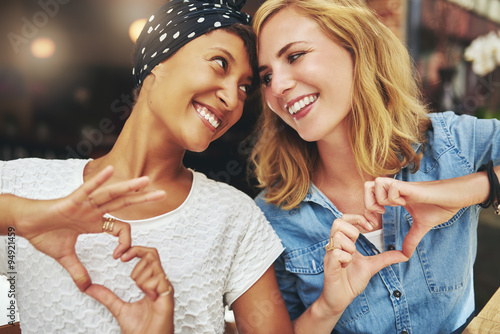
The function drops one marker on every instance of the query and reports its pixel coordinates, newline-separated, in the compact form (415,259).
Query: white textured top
(213,247)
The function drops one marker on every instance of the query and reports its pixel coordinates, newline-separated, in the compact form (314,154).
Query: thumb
(382,260)
(106,297)
(77,271)
(412,239)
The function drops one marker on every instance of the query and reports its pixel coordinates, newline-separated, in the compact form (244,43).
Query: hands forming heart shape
(53,227)
(346,270)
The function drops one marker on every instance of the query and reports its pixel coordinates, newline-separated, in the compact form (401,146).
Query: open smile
(207,115)
(294,107)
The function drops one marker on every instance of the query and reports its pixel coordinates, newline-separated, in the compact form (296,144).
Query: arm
(261,308)
(152,314)
(429,203)
(53,226)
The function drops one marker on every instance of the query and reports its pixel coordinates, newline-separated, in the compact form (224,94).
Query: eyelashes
(222,62)
(291,58)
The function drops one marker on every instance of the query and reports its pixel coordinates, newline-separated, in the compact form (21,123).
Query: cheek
(271,101)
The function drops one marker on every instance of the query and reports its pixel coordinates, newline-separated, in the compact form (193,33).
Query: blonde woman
(343,110)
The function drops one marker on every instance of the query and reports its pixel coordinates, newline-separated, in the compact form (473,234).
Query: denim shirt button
(397,294)
(404,332)
(391,247)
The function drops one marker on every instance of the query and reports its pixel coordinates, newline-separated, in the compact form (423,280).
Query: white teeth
(203,111)
(301,104)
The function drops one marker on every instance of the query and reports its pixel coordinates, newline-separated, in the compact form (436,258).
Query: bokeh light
(136,28)
(43,48)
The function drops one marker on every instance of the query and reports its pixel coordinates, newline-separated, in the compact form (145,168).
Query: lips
(294,107)
(208,115)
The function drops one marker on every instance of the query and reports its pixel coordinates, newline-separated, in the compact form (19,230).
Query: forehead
(221,39)
(287,26)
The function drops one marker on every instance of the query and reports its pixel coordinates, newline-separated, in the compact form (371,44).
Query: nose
(228,95)
(281,83)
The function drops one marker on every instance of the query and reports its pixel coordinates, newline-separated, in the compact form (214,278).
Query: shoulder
(272,212)
(41,178)
(223,196)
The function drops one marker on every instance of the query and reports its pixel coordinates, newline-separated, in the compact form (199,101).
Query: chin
(197,146)
(309,137)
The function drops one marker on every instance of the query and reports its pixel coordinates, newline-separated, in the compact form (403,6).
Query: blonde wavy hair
(387,116)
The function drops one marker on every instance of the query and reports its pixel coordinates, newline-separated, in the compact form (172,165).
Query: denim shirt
(431,293)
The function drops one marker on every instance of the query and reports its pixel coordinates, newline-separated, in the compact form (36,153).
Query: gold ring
(166,293)
(107,226)
(329,245)
(92,202)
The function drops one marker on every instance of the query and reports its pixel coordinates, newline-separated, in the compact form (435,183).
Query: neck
(143,148)
(337,164)
(338,177)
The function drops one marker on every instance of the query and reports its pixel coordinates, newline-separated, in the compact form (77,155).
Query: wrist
(322,310)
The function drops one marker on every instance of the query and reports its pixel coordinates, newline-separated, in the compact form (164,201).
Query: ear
(149,81)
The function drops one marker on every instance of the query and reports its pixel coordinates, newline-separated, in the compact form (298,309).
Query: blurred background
(65,82)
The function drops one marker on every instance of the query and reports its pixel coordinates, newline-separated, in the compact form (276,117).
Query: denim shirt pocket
(445,273)
(307,265)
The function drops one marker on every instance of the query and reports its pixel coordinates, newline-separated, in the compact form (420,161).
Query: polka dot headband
(178,22)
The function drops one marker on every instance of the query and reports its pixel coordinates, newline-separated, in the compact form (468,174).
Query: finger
(82,193)
(394,195)
(370,200)
(165,288)
(340,225)
(122,231)
(150,286)
(341,241)
(412,239)
(139,252)
(149,265)
(359,220)
(106,297)
(381,190)
(128,200)
(116,190)
(382,260)
(143,270)
(76,270)
(338,258)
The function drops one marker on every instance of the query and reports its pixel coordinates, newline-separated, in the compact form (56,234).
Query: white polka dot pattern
(189,19)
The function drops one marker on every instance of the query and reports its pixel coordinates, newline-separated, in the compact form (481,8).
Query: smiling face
(198,94)
(308,78)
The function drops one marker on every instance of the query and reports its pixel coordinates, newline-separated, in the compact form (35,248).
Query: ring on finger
(330,246)
(108,224)
(166,293)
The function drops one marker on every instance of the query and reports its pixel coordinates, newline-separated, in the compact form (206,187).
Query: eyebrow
(231,58)
(227,53)
(281,52)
